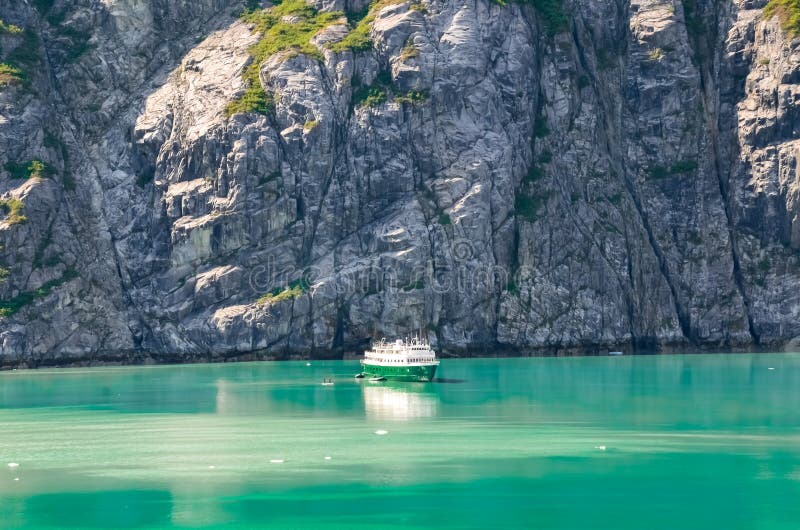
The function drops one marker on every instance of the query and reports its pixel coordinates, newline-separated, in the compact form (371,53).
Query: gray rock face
(631,182)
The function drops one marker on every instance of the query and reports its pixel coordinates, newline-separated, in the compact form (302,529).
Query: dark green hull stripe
(401,373)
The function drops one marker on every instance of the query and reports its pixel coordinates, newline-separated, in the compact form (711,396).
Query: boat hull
(421,373)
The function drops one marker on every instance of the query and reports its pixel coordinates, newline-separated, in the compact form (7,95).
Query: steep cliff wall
(547,176)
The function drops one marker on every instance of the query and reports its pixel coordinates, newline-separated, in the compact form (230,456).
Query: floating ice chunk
(276,461)
(327,458)
(601,447)
(381,432)
(13,465)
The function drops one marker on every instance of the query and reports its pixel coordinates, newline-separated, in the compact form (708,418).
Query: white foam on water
(276,461)
(381,432)
(13,465)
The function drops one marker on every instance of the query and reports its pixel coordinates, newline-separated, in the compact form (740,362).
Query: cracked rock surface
(630,182)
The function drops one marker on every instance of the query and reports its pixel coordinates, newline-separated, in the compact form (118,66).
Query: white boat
(400,360)
(615,353)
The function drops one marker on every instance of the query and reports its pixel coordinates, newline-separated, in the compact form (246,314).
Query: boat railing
(401,352)
(377,346)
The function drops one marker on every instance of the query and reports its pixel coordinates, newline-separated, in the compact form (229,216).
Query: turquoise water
(695,441)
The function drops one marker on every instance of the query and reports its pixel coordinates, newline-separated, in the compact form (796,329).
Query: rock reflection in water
(400,401)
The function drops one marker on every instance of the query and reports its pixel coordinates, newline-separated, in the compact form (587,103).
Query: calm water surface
(672,442)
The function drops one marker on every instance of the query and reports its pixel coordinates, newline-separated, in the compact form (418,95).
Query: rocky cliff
(204,179)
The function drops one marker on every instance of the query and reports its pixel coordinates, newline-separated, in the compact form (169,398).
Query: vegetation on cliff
(9,28)
(552,13)
(288,26)
(9,73)
(294,290)
(681,167)
(12,208)
(358,39)
(788,12)
(379,91)
(13,305)
(32,169)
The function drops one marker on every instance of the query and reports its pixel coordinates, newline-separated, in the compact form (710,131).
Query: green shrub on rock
(294,290)
(13,209)
(289,25)
(10,75)
(32,169)
(788,12)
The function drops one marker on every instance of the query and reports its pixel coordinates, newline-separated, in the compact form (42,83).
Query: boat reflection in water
(400,401)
